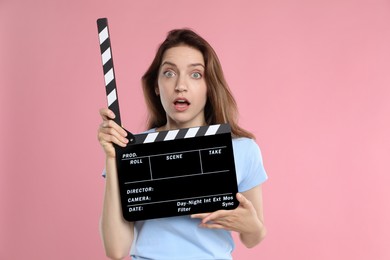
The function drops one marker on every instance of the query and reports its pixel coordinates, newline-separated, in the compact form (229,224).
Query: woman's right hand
(110,133)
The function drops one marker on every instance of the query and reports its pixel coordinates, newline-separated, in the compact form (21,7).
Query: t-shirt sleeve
(249,164)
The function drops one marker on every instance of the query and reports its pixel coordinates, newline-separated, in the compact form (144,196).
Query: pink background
(311,79)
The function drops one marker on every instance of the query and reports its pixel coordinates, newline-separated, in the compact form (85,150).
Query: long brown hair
(220,105)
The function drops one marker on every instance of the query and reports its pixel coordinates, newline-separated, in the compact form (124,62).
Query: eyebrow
(174,65)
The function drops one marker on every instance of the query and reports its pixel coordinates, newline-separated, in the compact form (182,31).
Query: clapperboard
(170,173)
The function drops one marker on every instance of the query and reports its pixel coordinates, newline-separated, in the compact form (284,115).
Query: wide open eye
(169,74)
(196,75)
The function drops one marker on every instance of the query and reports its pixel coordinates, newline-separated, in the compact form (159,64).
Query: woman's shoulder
(152,130)
(246,148)
(244,143)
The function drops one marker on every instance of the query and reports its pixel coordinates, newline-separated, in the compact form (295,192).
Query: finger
(109,124)
(212,226)
(215,215)
(106,113)
(109,131)
(244,202)
(200,215)
(108,138)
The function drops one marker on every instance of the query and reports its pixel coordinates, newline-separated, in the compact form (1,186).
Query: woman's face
(182,87)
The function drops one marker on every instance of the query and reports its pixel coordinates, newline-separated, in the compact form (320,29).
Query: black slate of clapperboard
(202,178)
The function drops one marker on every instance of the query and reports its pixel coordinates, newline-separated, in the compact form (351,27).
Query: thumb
(242,200)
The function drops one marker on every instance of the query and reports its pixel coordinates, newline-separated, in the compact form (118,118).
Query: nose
(181,84)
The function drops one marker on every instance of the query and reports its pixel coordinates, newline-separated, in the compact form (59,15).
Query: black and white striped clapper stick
(108,70)
(183,133)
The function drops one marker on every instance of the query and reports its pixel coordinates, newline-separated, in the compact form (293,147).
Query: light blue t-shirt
(181,237)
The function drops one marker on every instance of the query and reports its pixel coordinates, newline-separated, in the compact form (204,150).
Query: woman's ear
(157,91)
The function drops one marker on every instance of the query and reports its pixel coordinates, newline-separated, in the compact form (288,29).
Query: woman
(185,87)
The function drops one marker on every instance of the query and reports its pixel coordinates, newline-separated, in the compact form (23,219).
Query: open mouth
(181,102)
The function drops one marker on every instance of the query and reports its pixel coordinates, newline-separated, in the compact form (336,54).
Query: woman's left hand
(243,219)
